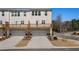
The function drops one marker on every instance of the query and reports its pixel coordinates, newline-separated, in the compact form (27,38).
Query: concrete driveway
(10,42)
(39,42)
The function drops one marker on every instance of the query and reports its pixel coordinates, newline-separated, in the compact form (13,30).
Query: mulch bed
(23,42)
(3,38)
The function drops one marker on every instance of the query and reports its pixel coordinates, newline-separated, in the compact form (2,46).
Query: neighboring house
(20,20)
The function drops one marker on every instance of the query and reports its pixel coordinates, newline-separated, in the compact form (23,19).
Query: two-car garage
(39,32)
(18,32)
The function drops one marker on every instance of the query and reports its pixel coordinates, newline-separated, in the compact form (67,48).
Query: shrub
(31,34)
(48,33)
(74,33)
(3,34)
(25,33)
(10,34)
(77,33)
(52,34)
(55,38)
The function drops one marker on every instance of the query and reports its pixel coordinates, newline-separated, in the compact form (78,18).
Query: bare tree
(59,23)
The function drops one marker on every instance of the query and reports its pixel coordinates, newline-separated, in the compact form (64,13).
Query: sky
(66,13)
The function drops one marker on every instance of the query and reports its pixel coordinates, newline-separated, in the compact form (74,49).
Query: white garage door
(18,32)
(1,32)
(39,32)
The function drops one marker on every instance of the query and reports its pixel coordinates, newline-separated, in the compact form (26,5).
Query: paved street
(39,42)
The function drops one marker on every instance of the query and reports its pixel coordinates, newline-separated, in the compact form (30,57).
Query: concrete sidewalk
(39,42)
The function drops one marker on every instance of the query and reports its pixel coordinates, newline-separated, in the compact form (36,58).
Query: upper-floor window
(18,13)
(22,22)
(0,22)
(36,22)
(43,21)
(45,13)
(39,13)
(3,13)
(33,13)
(24,13)
(15,13)
(36,13)
(16,22)
(12,14)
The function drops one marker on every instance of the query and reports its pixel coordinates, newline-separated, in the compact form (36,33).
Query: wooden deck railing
(25,26)
(1,26)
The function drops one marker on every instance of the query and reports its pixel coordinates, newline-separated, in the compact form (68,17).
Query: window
(45,13)
(16,22)
(2,13)
(12,14)
(15,13)
(0,22)
(18,13)
(24,13)
(36,22)
(43,21)
(39,13)
(32,13)
(35,13)
(22,22)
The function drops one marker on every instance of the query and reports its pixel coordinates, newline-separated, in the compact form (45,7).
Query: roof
(25,9)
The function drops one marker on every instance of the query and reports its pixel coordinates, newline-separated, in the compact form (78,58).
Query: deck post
(28,26)
(7,29)
(51,30)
